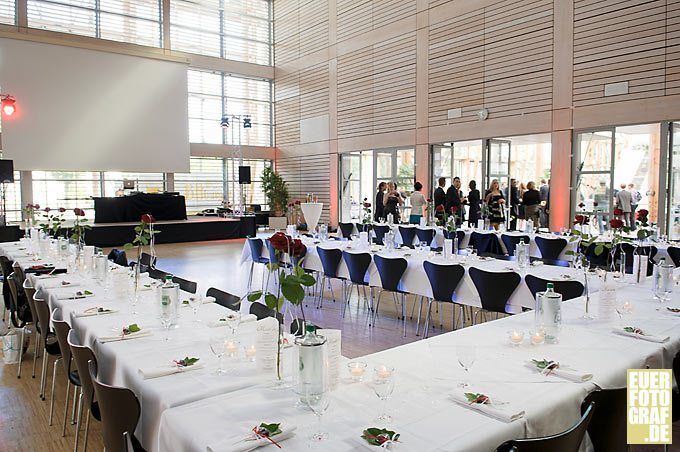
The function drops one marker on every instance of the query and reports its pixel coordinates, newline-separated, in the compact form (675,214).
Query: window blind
(7,12)
(146,182)
(68,189)
(203,187)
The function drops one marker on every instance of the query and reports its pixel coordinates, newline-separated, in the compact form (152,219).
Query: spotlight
(224,122)
(246,123)
(8,105)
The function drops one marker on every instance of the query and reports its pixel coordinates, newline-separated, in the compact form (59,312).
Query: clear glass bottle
(663,280)
(101,267)
(522,254)
(169,302)
(548,313)
(311,374)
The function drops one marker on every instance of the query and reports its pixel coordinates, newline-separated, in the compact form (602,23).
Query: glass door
(498,162)
(350,188)
(673,204)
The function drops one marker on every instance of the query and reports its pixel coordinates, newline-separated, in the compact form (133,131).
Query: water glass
(195,301)
(466,358)
(318,402)
(383,386)
(217,346)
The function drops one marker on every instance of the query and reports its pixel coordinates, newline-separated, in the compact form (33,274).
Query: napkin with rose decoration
(638,333)
(485,405)
(132,331)
(264,434)
(548,367)
(95,310)
(186,364)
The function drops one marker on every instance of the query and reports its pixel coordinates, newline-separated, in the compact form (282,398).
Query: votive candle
(537,337)
(516,337)
(251,352)
(357,370)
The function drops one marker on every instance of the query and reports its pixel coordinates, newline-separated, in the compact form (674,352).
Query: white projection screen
(85,110)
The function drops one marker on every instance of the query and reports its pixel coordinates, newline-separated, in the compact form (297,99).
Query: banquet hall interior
(405,225)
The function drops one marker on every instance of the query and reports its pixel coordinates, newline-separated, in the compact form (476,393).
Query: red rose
(298,249)
(581,219)
(439,208)
(79,212)
(297,202)
(280,241)
(367,205)
(618,212)
(615,223)
(454,209)
(595,203)
(62,210)
(581,205)
(147,218)
(36,206)
(47,209)
(429,199)
(642,215)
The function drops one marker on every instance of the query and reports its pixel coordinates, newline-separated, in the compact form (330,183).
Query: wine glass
(233,321)
(318,402)
(217,346)
(471,252)
(195,301)
(383,386)
(166,322)
(466,358)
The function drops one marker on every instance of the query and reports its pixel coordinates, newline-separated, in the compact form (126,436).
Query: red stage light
(8,106)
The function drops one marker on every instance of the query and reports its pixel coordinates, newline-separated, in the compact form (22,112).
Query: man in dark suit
(455,198)
(440,196)
(512,194)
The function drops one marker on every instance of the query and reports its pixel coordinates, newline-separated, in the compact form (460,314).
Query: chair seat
(51,345)
(94,409)
(262,260)
(74,378)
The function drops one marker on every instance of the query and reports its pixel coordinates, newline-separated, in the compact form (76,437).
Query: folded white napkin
(56,283)
(491,410)
(645,337)
(248,441)
(205,300)
(221,322)
(72,295)
(120,337)
(564,372)
(93,312)
(169,369)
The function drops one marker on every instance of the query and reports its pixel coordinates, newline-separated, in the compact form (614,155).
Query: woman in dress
(379,205)
(474,201)
(418,203)
(391,200)
(495,201)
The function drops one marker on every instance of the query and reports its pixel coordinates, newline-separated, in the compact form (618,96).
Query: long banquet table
(191,411)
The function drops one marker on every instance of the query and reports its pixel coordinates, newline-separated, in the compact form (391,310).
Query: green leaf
(271,301)
(254,296)
(307,280)
(293,291)
(272,429)
(87,292)
(187,361)
(133,328)
(599,249)
(298,271)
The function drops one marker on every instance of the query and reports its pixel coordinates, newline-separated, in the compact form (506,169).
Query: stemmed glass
(318,402)
(217,346)
(166,322)
(383,386)
(466,358)
(195,301)
(233,321)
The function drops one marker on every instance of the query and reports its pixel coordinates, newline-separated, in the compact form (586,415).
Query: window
(134,21)
(233,29)
(68,189)
(7,12)
(145,182)
(204,186)
(252,192)
(13,202)
(213,94)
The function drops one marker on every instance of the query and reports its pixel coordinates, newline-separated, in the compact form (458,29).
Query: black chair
(485,243)
(357,266)
(61,330)
(224,299)
(6,268)
(148,260)
(50,348)
(118,257)
(155,273)
(330,261)
(425,235)
(255,245)
(553,262)
(391,270)
(185,284)
(444,279)
(568,289)
(494,288)
(83,354)
(550,248)
(29,291)
(262,312)
(408,234)
(607,430)
(511,242)
(458,234)
(380,231)
(346,229)
(631,251)
(568,441)
(595,260)
(363,227)
(674,253)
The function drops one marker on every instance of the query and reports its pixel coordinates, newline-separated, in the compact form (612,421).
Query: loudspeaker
(244,175)
(7,171)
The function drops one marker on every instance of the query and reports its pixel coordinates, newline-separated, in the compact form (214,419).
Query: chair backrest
(82,354)
(118,257)
(595,260)
(273,257)
(444,279)
(19,272)
(29,291)
(346,229)
(380,231)
(5,266)
(631,251)
(568,441)
(554,262)
(330,260)
(674,253)
(357,266)
(494,288)
(185,284)
(255,246)
(408,233)
(362,227)
(148,260)
(127,438)
(262,312)
(485,243)
(155,273)
(607,431)
(425,235)
(224,299)
(119,409)
(550,248)
(511,242)
(61,329)
(568,289)
(459,234)
(43,311)
(390,270)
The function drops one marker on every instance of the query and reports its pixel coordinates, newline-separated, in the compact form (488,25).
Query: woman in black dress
(379,211)
(391,200)
(474,202)
(495,201)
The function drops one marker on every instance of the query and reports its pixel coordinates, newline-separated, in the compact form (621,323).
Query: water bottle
(62,244)
(169,302)
(311,374)
(548,313)
(663,280)
(530,225)
(389,240)
(390,219)
(455,245)
(522,254)
(323,232)
(101,267)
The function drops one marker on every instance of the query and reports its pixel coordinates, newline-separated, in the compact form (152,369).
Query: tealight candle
(537,337)
(357,370)
(251,352)
(231,347)
(383,371)
(516,337)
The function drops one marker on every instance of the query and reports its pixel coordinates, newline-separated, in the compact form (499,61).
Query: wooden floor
(23,416)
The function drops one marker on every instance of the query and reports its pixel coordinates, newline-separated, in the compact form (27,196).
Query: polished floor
(24,417)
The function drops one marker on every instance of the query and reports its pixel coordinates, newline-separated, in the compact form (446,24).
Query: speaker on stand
(243,179)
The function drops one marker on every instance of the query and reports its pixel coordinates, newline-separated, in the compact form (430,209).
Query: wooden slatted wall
(307,174)
(301,28)
(356,17)
(673,47)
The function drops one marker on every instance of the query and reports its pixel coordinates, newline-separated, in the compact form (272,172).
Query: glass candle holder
(516,337)
(537,337)
(357,369)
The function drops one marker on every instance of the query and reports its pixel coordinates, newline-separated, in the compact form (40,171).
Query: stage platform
(194,229)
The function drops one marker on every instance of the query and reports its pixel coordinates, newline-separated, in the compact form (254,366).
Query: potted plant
(276,191)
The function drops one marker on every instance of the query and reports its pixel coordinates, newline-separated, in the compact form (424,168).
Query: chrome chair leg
(43,375)
(54,379)
(441,316)
(396,305)
(21,351)
(420,311)
(75,404)
(36,336)
(377,305)
(330,287)
(87,428)
(346,301)
(428,317)
(321,292)
(78,421)
(68,394)
(403,311)
(250,277)
(371,308)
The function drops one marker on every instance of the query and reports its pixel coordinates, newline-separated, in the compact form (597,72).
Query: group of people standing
(626,200)
(524,202)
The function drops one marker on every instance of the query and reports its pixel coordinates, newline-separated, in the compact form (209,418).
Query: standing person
(455,198)
(532,202)
(379,205)
(636,197)
(440,195)
(623,202)
(474,201)
(512,194)
(418,203)
(495,200)
(544,191)
(391,200)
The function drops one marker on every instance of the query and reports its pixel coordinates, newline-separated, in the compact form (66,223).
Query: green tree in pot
(276,191)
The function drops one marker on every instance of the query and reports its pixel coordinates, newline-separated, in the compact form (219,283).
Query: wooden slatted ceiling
(377,88)
(307,174)
(616,41)
(356,17)
(498,57)
(673,47)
